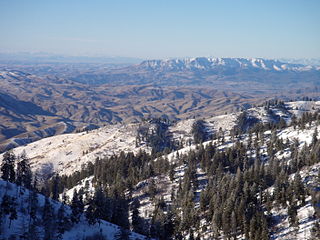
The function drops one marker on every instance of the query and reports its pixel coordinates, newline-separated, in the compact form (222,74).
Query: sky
(152,29)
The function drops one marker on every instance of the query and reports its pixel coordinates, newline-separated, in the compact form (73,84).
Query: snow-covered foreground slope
(305,214)
(21,225)
(65,154)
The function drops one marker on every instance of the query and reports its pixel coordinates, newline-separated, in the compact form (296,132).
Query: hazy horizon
(167,29)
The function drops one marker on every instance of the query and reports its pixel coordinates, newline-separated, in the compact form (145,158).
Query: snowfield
(67,153)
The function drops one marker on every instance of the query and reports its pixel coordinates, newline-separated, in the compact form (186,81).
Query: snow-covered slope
(282,228)
(203,63)
(21,225)
(65,154)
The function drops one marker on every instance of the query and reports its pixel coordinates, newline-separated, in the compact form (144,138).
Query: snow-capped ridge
(208,63)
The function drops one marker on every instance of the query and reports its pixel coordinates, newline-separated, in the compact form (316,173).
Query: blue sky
(162,29)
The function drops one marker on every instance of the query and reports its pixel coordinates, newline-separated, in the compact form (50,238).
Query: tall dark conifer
(7,167)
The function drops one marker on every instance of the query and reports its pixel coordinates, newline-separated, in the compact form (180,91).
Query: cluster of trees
(199,132)
(156,136)
(16,169)
(46,221)
(113,177)
(244,123)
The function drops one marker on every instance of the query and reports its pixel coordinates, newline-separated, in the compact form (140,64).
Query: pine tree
(89,213)
(62,221)
(169,225)
(298,188)
(120,213)
(33,206)
(7,167)
(55,187)
(48,219)
(9,207)
(292,213)
(77,207)
(315,137)
(100,205)
(136,220)
(24,173)
(234,225)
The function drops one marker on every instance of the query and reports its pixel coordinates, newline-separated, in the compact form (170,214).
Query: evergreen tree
(77,207)
(33,207)
(89,213)
(292,214)
(24,173)
(234,225)
(7,166)
(199,131)
(120,213)
(48,220)
(9,207)
(62,221)
(298,188)
(315,137)
(100,205)
(55,187)
(136,220)
(169,225)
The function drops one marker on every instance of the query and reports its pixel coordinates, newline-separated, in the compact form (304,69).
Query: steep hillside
(251,175)
(26,214)
(67,153)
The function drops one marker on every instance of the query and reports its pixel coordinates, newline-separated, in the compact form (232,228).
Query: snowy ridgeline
(204,63)
(66,153)
(16,222)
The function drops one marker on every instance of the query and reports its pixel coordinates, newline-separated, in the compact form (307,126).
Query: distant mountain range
(239,74)
(304,61)
(223,64)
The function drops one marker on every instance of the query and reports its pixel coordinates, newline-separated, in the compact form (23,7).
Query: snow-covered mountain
(211,64)
(305,61)
(204,71)
(284,139)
